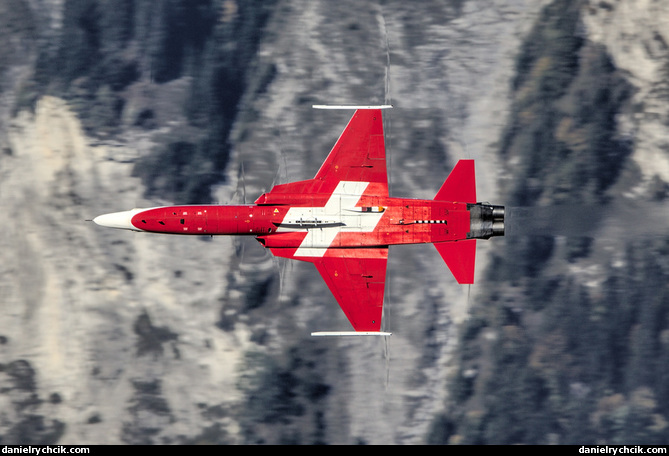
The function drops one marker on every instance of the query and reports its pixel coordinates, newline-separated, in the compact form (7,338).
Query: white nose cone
(121,220)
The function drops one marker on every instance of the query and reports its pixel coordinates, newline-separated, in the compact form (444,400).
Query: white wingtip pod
(349,333)
(352,106)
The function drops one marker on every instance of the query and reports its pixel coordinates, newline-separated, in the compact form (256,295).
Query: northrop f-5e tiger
(343,221)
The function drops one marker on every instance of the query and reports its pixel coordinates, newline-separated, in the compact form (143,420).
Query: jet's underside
(343,220)
(374,222)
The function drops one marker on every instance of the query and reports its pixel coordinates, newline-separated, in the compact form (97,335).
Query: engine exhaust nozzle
(486,221)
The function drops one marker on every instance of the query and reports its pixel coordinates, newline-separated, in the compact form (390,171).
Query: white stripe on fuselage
(337,210)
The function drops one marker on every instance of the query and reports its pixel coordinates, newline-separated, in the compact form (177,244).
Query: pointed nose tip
(122,220)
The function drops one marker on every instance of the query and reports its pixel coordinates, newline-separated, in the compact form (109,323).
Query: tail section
(460,185)
(460,257)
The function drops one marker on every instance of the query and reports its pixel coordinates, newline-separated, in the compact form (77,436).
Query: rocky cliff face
(119,337)
(635,34)
(82,310)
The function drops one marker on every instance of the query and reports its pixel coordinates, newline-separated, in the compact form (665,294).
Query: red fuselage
(393,221)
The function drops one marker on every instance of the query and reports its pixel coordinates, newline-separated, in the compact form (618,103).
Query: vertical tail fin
(460,257)
(460,185)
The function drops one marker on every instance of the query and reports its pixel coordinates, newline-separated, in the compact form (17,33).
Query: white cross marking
(338,209)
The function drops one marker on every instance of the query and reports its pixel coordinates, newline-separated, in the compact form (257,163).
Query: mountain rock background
(112,337)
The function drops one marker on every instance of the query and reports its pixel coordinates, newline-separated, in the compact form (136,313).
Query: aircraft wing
(359,155)
(356,278)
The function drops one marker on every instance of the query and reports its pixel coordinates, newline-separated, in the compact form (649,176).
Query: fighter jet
(344,220)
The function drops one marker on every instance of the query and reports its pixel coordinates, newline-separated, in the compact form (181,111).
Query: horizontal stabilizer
(460,185)
(460,257)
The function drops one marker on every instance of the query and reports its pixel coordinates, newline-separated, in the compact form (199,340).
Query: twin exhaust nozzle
(486,221)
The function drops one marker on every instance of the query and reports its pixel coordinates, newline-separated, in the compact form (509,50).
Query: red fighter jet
(343,221)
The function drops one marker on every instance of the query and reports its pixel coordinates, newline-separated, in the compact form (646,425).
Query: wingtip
(324,106)
(350,333)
